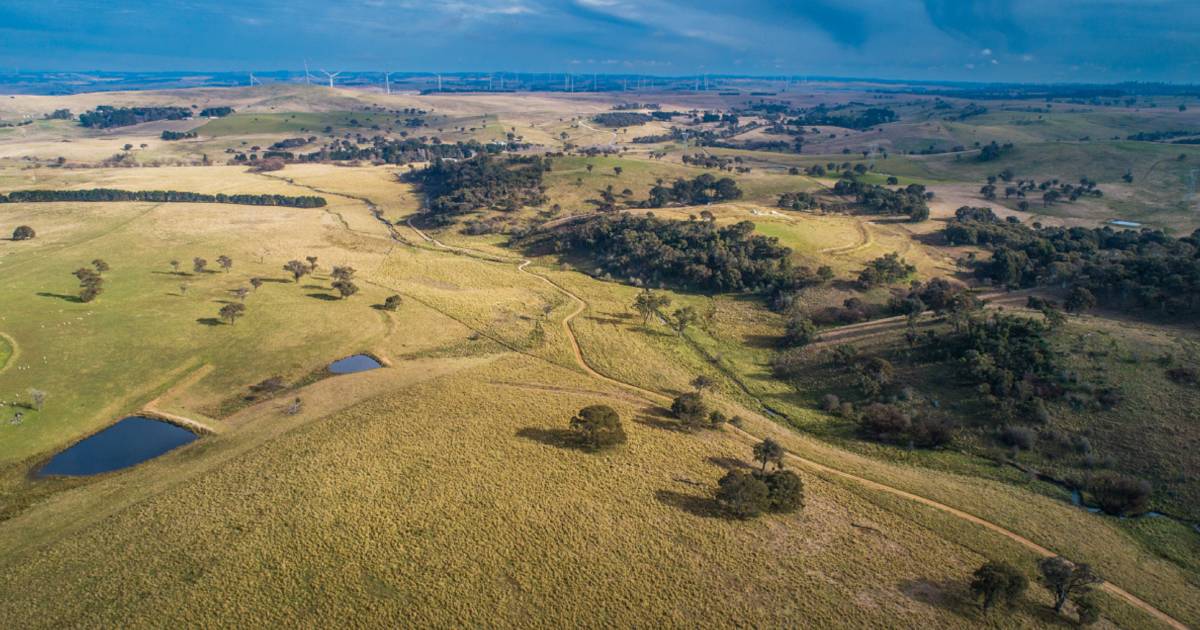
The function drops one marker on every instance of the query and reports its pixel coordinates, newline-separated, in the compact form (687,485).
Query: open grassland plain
(442,490)
(408,509)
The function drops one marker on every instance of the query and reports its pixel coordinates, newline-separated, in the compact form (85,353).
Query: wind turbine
(253,80)
(307,76)
(387,81)
(331,76)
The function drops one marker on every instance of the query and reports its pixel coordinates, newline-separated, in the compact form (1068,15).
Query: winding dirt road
(873,328)
(654,397)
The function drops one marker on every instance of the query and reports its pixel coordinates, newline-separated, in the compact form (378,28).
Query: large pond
(354,363)
(131,441)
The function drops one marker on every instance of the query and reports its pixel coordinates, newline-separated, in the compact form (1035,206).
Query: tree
(256,282)
(1079,300)
(343,273)
(785,491)
(296,268)
(598,427)
(1066,580)
(742,494)
(690,409)
(617,170)
(801,331)
(199,264)
(703,383)
(175,266)
(312,263)
(1118,494)
(769,451)
(230,312)
(23,233)
(589,166)
(998,581)
(225,262)
(391,303)
(37,398)
(684,317)
(648,303)
(100,265)
(241,293)
(345,288)
(90,284)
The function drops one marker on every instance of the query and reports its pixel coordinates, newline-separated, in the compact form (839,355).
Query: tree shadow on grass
(276,280)
(728,463)
(660,423)
(314,287)
(182,274)
(706,507)
(62,296)
(950,595)
(209,321)
(323,296)
(560,438)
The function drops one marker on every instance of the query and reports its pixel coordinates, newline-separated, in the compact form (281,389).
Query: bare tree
(37,398)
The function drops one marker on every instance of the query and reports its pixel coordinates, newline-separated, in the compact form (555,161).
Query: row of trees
(695,254)
(159,196)
(177,135)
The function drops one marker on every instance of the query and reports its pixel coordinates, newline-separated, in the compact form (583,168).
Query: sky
(963,40)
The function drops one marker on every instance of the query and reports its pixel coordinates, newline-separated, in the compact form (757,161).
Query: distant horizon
(987,41)
(288,75)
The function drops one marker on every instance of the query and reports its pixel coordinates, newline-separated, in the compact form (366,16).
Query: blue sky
(981,40)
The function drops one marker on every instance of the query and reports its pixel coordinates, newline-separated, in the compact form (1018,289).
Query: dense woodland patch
(457,187)
(1145,269)
(106,116)
(696,255)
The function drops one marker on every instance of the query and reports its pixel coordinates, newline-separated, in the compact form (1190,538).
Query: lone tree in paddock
(23,233)
(617,170)
(647,303)
(225,262)
(1066,580)
(199,265)
(90,284)
(691,410)
(37,399)
(769,451)
(743,495)
(598,427)
(703,383)
(998,581)
(230,312)
(392,303)
(174,266)
(312,263)
(296,268)
(256,282)
(241,293)
(345,288)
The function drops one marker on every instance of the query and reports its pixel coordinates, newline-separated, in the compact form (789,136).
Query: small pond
(131,441)
(354,363)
